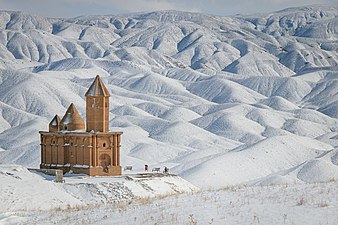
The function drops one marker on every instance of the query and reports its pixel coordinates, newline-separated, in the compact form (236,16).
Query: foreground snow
(22,190)
(285,204)
(33,198)
(281,204)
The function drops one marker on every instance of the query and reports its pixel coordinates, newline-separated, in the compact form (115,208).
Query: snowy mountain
(219,100)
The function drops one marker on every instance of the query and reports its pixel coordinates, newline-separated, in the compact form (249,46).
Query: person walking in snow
(166,169)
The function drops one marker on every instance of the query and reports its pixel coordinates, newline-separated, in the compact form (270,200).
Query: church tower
(97,107)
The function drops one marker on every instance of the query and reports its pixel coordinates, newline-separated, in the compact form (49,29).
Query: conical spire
(97,88)
(72,119)
(54,125)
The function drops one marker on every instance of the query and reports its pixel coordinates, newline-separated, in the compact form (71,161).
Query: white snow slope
(298,204)
(219,100)
(31,199)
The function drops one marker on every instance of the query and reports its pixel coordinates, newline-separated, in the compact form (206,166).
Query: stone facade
(94,150)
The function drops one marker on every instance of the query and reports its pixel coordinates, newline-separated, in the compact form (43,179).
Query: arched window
(104,144)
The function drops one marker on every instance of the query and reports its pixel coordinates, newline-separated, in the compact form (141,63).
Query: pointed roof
(97,88)
(72,117)
(55,121)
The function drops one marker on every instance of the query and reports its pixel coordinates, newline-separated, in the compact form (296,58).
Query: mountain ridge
(186,88)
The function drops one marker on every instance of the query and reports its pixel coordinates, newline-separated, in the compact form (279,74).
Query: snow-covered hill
(24,190)
(219,100)
(33,198)
(30,198)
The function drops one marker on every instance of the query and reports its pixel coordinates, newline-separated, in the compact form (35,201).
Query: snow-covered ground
(28,198)
(285,204)
(222,101)
(24,190)
(27,191)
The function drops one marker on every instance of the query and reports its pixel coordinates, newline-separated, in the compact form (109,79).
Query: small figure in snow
(166,170)
(146,167)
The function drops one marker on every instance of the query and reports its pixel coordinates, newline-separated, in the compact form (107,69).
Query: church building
(90,149)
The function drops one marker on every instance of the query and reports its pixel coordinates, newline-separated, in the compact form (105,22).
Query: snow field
(314,203)
(25,190)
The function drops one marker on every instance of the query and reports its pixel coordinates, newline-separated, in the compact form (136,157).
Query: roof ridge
(97,88)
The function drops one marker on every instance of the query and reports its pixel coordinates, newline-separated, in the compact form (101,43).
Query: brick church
(91,149)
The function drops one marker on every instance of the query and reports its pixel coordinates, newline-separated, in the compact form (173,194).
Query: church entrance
(105,160)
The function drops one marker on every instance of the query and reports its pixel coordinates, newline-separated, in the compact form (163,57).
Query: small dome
(54,125)
(72,120)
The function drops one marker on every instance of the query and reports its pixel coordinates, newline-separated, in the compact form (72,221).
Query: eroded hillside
(204,95)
